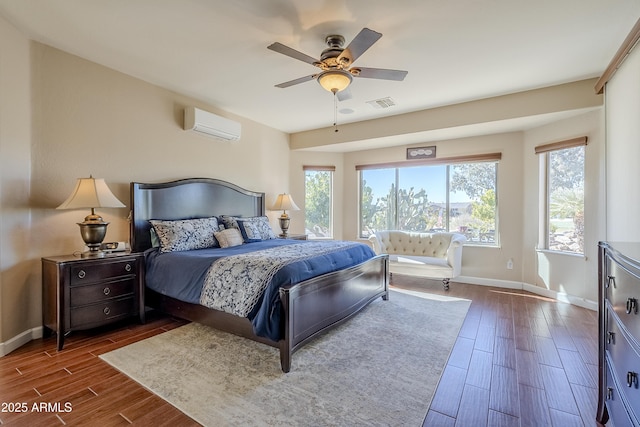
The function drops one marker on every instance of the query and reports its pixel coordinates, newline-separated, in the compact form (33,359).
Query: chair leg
(445,284)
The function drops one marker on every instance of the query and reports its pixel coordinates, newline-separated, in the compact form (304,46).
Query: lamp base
(93,254)
(284,226)
(93,230)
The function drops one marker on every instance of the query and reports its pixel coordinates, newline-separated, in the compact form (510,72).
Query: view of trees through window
(566,200)
(317,203)
(457,197)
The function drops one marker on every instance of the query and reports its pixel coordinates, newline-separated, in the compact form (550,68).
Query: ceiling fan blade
(380,73)
(286,50)
(363,41)
(297,81)
(344,94)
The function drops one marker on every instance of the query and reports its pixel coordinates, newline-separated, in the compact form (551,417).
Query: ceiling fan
(336,63)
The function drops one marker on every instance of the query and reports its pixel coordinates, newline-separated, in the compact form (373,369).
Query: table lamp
(284,202)
(92,193)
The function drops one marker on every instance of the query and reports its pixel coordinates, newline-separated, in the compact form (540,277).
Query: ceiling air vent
(382,103)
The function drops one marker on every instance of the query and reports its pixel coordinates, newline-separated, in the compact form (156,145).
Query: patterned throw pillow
(229,237)
(255,229)
(186,234)
(228,221)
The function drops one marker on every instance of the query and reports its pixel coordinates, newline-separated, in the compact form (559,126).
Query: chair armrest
(377,245)
(454,253)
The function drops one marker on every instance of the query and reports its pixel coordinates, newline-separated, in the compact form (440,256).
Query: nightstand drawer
(100,314)
(83,295)
(87,273)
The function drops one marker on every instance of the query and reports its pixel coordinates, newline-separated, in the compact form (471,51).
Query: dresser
(84,293)
(619,334)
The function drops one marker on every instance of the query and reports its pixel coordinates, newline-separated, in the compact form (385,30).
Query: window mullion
(447,198)
(396,214)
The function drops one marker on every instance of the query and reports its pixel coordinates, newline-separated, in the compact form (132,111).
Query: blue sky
(432,178)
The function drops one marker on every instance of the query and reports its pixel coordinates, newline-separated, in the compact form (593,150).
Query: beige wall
(622,95)
(93,120)
(19,290)
(575,276)
(88,119)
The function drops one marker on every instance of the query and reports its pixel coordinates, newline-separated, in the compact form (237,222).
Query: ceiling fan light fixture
(334,80)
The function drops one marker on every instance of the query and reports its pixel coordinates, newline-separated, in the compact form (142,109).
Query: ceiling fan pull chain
(335,111)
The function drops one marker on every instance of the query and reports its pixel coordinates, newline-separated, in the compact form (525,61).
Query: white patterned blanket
(234,284)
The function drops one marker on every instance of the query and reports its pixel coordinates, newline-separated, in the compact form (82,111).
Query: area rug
(379,368)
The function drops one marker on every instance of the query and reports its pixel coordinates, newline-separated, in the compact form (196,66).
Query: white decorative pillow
(229,237)
(186,234)
(255,229)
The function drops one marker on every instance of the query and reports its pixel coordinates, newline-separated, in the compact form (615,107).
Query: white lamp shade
(285,202)
(91,193)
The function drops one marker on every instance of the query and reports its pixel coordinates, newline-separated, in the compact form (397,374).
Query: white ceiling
(216,50)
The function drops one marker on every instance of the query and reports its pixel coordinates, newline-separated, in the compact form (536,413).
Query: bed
(306,308)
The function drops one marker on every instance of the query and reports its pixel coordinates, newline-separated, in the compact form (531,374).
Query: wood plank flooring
(519,360)
(95,393)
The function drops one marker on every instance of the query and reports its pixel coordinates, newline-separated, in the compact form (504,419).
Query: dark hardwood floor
(519,360)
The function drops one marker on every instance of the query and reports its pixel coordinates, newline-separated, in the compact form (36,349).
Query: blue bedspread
(181,275)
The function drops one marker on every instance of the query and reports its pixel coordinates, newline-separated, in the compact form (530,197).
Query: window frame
(331,170)
(448,162)
(544,226)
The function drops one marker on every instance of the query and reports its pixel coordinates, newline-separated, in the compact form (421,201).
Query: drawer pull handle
(609,393)
(82,274)
(611,280)
(128,267)
(107,311)
(106,291)
(632,379)
(632,306)
(611,337)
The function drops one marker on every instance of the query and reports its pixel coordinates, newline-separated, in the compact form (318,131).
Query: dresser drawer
(625,362)
(89,294)
(623,293)
(82,274)
(618,415)
(99,314)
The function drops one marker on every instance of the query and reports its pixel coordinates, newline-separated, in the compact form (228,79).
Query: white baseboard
(561,296)
(497,283)
(508,284)
(20,340)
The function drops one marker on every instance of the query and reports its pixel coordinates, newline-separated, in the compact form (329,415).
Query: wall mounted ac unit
(210,124)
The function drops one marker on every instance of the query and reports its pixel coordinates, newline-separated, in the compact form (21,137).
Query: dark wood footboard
(310,307)
(316,305)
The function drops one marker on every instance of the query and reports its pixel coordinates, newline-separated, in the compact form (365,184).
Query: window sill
(570,254)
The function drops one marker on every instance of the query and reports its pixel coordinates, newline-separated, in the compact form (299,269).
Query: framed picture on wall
(421,152)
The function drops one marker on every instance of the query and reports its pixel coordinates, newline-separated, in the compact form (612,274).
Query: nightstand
(84,293)
(293,236)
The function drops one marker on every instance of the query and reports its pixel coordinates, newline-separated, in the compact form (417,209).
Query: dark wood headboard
(185,199)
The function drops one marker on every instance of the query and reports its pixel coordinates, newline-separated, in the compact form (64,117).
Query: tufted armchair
(432,255)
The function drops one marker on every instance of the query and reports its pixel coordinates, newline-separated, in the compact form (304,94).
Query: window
(563,224)
(445,195)
(318,201)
